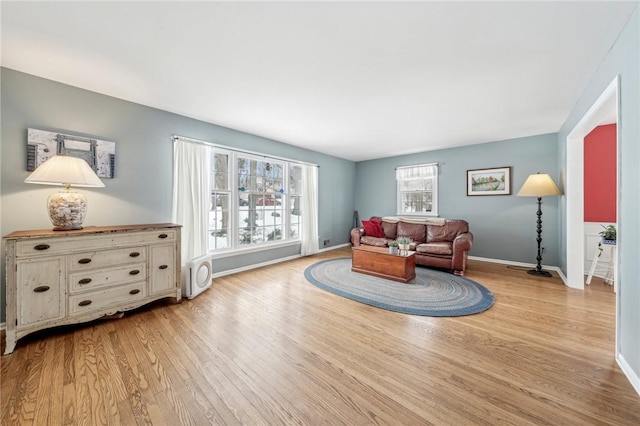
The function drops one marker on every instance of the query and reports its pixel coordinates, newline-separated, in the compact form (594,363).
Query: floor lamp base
(539,273)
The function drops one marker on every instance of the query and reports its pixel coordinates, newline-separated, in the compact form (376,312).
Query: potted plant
(608,236)
(609,233)
(403,243)
(393,247)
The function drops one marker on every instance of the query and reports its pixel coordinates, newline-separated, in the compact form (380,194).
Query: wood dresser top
(88,230)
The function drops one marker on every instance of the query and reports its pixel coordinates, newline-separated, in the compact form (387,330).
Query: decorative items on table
(403,245)
(539,185)
(67,209)
(393,247)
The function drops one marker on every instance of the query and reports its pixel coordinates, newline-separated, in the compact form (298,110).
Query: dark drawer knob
(84,260)
(134,254)
(162,236)
(135,291)
(41,289)
(134,272)
(41,247)
(84,303)
(163,266)
(84,281)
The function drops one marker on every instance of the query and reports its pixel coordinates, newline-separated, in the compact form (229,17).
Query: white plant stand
(610,275)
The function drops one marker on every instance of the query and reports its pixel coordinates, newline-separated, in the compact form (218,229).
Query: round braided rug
(432,293)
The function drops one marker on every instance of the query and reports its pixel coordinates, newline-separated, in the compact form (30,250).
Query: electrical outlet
(326,242)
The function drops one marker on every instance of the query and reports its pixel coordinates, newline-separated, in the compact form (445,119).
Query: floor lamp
(539,185)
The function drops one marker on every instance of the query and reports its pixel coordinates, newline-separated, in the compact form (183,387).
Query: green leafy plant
(609,233)
(393,243)
(403,240)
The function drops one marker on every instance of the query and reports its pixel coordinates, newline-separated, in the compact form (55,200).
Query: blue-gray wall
(623,60)
(142,189)
(504,226)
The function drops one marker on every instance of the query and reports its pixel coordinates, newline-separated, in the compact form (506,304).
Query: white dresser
(68,277)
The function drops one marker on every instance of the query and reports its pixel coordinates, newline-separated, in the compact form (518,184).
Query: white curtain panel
(309,210)
(191,166)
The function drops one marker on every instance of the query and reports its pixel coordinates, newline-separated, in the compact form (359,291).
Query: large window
(418,190)
(255,200)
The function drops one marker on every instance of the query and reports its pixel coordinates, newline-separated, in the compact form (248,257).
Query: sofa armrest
(356,233)
(463,242)
(461,246)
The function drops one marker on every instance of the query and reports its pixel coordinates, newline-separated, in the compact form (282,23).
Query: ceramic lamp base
(67,210)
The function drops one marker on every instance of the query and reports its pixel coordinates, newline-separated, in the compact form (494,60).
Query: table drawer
(106,258)
(90,280)
(120,296)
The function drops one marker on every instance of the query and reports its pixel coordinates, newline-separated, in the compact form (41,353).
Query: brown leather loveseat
(444,244)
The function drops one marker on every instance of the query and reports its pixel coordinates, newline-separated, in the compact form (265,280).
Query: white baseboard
(628,371)
(335,247)
(271,262)
(525,265)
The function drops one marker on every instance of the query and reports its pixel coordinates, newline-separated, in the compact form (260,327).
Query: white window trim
(434,200)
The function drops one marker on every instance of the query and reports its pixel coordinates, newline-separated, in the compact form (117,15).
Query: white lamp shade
(65,170)
(67,209)
(539,185)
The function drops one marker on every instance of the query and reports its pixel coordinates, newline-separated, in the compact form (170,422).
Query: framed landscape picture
(496,181)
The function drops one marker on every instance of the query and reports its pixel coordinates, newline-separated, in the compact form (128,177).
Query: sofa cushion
(389,230)
(446,232)
(415,231)
(443,247)
(373,228)
(373,241)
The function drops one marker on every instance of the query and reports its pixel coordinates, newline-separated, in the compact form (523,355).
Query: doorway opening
(605,110)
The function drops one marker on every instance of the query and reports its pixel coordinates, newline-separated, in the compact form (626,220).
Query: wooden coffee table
(377,261)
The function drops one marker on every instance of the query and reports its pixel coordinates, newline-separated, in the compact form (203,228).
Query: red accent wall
(600,174)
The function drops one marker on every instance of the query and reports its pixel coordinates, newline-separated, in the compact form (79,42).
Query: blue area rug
(432,293)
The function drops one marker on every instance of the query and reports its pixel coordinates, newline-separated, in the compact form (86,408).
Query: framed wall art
(42,145)
(496,181)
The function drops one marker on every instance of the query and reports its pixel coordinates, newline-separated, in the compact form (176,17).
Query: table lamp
(67,208)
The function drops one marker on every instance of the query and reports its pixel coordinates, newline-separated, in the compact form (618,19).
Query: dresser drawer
(55,245)
(91,280)
(99,259)
(50,246)
(120,296)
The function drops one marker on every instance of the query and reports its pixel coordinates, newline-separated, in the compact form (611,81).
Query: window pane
(218,220)
(220,173)
(295,207)
(295,179)
(417,202)
(273,233)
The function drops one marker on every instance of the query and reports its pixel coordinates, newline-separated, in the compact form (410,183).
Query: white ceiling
(351,79)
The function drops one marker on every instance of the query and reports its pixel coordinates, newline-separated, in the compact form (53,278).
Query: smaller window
(418,190)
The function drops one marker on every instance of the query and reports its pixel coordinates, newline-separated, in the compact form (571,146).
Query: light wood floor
(266,347)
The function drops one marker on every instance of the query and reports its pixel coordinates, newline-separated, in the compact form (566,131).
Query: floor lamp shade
(67,209)
(539,185)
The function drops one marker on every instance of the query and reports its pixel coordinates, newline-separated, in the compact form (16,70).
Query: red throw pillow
(373,228)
